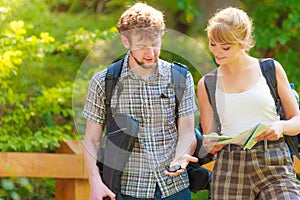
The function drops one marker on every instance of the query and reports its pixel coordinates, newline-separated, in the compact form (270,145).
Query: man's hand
(180,164)
(100,192)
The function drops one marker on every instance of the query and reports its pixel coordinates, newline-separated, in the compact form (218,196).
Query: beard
(149,65)
(143,64)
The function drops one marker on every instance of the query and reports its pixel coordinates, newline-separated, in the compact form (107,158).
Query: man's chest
(144,99)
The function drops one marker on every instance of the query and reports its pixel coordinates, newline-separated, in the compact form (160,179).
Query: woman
(243,99)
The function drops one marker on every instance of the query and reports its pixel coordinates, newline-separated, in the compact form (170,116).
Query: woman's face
(224,53)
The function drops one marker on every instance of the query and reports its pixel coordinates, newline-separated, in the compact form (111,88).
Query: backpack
(199,177)
(268,70)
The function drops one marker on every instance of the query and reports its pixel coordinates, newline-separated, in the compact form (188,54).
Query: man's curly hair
(141,16)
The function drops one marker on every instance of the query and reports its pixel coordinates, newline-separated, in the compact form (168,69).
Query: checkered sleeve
(94,108)
(187,105)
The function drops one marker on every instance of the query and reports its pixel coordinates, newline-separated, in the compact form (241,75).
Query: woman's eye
(212,44)
(226,49)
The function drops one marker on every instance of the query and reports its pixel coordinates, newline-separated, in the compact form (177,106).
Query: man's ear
(125,41)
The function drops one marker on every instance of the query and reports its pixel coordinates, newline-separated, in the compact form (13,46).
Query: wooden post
(72,189)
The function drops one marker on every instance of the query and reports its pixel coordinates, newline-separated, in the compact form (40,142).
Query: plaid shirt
(152,103)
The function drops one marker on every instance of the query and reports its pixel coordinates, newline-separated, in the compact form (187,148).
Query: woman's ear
(125,41)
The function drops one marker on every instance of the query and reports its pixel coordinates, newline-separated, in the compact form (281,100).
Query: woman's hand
(211,145)
(274,132)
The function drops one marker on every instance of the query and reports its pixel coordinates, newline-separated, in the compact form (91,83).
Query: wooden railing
(66,166)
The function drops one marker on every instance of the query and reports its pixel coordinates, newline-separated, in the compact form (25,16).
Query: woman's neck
(241,63)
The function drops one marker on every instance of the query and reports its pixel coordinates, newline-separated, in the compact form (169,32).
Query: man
(147,97)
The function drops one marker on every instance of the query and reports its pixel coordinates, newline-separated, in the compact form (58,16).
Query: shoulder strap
(179,73)
(210,82)
(111,79)
(269,72)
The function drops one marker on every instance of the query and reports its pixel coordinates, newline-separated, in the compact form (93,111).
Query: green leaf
(7,184)
(15,196)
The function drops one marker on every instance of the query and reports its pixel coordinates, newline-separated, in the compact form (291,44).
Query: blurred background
(44,43)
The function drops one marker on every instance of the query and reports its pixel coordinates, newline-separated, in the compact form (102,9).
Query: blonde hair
(231,25)
(139,16)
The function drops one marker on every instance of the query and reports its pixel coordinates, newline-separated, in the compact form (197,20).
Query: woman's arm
(206,117)
(288,102)
(290,126)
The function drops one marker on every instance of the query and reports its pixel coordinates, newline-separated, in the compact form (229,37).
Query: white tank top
(241,111)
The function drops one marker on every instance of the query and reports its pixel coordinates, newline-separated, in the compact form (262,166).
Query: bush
(33,117)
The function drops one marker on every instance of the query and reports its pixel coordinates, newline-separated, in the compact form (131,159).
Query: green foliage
(37,123)
(74,5)
(202,195)
(277,30)
(15,188)
(30,121)
(32,117)
(25,188)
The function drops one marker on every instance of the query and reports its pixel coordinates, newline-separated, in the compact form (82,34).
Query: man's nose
(149,51)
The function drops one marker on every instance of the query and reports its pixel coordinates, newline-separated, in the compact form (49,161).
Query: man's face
(144,50)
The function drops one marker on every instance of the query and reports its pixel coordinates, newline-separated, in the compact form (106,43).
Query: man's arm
(186,136)
(186,144)
(91,141)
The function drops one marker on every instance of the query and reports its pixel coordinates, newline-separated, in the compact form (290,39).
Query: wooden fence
(66,166)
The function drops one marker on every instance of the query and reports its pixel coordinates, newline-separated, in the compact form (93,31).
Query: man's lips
(148,60)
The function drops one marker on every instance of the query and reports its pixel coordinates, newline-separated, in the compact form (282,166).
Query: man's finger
(112,196)
(192,159)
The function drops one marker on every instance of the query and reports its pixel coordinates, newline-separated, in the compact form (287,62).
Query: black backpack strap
(269,72)
(111,79)
(210,82)
(289,140)
(179,73)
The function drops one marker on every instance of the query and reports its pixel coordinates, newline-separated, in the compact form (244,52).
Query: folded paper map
(246,139)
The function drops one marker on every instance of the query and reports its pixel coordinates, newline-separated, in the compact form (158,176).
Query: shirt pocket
(169,104)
